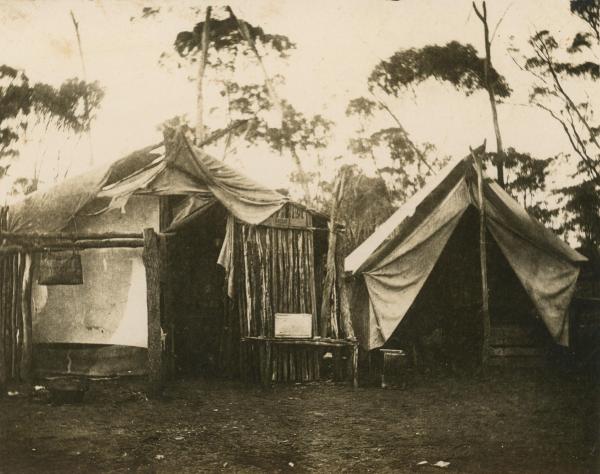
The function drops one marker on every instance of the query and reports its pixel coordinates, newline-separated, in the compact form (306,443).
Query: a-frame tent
(392,266)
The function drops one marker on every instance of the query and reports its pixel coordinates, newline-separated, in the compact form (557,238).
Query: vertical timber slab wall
(275,272)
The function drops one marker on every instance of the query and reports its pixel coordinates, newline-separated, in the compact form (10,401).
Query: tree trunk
(200,83)
(487,67)
(303,175)
(330,295)
(343,290)
(86,103)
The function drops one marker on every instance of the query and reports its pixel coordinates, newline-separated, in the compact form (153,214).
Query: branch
(478,13)
(564,93)
(580,150)
(419,153)
(499,22)
(222,132)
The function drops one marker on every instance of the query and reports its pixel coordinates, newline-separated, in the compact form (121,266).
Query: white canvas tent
(394,263)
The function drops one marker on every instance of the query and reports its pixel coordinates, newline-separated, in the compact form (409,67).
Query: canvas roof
(186,171)
(397,258)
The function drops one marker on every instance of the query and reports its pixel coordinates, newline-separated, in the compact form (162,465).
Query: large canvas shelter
(217,233)
(431,243)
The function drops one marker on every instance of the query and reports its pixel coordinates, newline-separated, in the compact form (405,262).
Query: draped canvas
(188,171)
(51,210)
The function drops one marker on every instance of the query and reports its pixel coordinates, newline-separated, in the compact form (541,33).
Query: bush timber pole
(485,308)
(152,259)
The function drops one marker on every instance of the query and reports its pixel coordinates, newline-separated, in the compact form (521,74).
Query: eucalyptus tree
(25,104)
(231,56)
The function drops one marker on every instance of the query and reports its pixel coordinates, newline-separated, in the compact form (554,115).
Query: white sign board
(296,325)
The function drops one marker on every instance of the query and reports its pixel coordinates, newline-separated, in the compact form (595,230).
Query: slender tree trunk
(411,144)
(200,82)
(86,103)
(329,287)
(243,29)
(303,175)
(490,90)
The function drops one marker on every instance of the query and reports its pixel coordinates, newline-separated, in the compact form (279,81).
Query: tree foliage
(453,63)
(581,212)
(229,53)
(526,180)
(233,71)
(564,73)
(400,164)
(588,11)
(403,165)
(23,103)
(225,36)
(364,205)
(554,68)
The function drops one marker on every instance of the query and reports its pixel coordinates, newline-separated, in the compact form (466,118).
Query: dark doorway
(443,327)
(197,299)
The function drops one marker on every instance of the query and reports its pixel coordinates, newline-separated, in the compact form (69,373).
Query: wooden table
(267,345)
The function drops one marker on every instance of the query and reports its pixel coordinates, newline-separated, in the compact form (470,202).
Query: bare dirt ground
(516,421)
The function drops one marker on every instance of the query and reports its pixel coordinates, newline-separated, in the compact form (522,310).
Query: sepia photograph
(300,236)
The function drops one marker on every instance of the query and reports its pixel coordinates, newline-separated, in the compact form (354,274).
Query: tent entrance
(443,327)
(196,299)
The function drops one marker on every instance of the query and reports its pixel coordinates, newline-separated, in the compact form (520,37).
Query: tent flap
(396,280)
(549,281)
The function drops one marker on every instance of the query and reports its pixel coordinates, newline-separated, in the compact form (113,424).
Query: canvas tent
(392,267)
(215,229)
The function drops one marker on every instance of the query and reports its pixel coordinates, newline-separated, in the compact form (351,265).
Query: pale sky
(338,43)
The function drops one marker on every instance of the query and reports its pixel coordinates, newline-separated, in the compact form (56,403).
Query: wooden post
(347,331)
(27,349)
(266,368)
(355,365)
(3,321)
(151,259)
(485,350)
